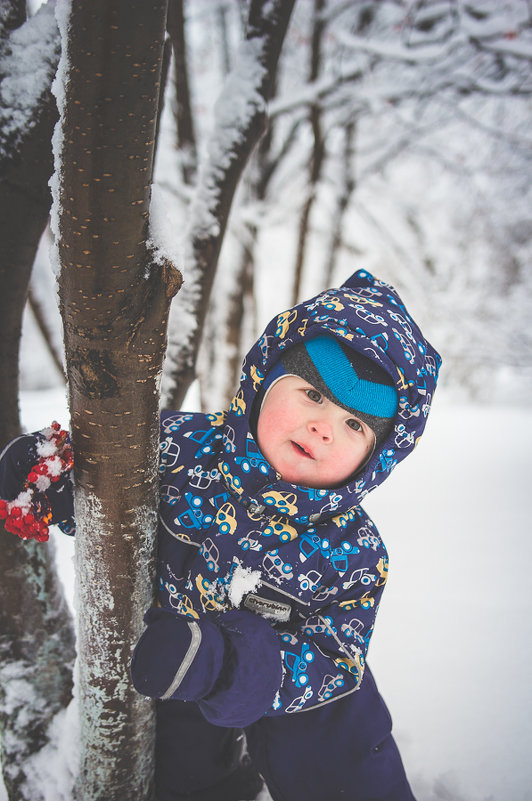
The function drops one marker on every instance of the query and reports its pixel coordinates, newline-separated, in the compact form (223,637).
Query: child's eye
(314,395)
(356,425)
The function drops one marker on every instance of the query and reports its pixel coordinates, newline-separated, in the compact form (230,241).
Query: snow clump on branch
(27,63)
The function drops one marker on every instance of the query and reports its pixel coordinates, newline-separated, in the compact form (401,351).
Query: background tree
(36,631)
(240,120)
(403,92)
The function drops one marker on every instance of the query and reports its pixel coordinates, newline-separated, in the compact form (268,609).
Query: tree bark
(36,657)
(115,294)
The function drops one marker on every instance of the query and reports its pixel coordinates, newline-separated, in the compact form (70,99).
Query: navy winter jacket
(306,567)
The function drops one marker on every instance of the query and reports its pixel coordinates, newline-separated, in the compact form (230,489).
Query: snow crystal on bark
(145,523)
(101,640)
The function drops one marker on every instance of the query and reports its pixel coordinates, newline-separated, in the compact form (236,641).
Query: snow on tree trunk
(115,291)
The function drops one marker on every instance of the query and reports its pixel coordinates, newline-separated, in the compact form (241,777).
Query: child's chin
(292,477)
(301,480)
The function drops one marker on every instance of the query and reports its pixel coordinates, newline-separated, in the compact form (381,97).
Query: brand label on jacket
(275,610)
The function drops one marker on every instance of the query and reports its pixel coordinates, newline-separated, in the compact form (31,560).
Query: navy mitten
(229,663)
(177,657)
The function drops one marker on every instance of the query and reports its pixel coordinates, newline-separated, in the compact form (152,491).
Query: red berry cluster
(29,514)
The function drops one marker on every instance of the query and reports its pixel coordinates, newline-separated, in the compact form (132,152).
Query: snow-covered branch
(28,59)
(238,122)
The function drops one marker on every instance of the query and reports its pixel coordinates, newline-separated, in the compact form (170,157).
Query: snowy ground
(453,643)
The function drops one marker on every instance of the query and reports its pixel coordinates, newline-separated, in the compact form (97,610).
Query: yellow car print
(283,322)
(232,481)
(225,518)
(353,666)
(217,418)
(210,600)
(238,404)
(256,376)
(285,502)
(284,530)
(366,602)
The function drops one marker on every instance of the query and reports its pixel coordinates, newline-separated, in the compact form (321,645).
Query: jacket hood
(364,314)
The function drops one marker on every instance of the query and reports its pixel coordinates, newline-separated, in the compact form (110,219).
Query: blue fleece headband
(340,375)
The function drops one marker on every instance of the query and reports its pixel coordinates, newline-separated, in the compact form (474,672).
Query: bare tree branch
(42,324)
(186,137)
(343,197)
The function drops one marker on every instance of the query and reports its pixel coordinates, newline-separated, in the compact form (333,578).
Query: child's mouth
(301,450)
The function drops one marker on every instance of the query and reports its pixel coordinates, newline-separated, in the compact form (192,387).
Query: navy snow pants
(342,751)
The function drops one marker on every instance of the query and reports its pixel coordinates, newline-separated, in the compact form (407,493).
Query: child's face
(308,439)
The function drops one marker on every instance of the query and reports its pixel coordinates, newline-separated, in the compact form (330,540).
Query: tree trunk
(317,156)
(343,196)
(36,631)
(115,293)
(36,657)
(25,168)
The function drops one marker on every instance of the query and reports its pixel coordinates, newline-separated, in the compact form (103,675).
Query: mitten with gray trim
(229,663)
(177,657)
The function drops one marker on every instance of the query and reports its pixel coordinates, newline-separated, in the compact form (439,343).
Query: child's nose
(323,429)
